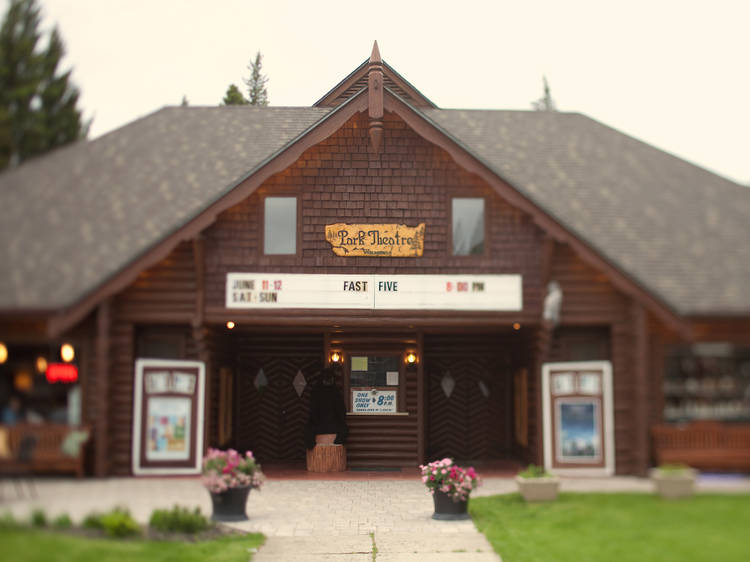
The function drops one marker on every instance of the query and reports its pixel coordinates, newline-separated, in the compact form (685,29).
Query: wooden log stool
(326,456)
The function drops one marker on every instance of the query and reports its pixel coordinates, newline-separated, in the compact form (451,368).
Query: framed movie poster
(168,416)
(578,417)
(579,433)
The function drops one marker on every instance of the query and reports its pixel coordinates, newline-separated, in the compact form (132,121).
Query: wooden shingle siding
(412,181)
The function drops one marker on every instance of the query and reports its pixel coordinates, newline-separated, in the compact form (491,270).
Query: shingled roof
(680,231)
(74,218)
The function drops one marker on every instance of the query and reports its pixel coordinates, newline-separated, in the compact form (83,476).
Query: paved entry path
(314,520)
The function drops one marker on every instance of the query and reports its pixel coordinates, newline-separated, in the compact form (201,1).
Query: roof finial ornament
(375,99)
(375,55)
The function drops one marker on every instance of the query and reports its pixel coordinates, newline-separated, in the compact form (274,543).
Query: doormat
(375,469)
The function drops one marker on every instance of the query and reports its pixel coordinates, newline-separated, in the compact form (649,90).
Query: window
(468,226)
(374,383)
(707,381)
(280,225)
(160,343)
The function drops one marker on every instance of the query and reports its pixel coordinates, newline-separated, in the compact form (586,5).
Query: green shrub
(119,523)
(534,471)
(38,518)
(93,521)
(7,521)
(179,520)
(62,521)
(673,469)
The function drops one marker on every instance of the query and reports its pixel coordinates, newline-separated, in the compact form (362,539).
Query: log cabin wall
(161,300)
(592,305)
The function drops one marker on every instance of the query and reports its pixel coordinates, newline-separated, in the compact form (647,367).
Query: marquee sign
(375,292)
(376,240)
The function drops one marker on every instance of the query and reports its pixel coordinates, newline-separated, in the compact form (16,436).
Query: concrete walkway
(313,520)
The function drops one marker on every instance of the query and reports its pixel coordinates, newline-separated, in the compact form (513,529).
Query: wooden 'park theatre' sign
(376,240)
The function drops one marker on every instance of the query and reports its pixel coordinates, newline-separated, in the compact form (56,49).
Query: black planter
(448,510)
(230,505)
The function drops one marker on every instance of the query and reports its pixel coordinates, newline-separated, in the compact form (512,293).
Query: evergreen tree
(38,103)
(234,96)
(256,84)
(185,101)
(545,103)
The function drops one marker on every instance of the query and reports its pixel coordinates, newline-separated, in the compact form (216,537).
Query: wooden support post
(542,345)
(640,390)
(200,280)
(541,351)
(200,333)
(101,436)
(421,413)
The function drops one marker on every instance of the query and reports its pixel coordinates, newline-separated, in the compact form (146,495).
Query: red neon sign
(61,372)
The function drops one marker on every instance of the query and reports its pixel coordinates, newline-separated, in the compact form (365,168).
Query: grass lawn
(621,527)
(29,545)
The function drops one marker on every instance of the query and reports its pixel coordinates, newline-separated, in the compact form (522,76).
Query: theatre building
(496,286)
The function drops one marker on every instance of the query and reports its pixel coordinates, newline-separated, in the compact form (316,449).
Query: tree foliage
(38,102)
(234,96)
(545,103)
(257,94)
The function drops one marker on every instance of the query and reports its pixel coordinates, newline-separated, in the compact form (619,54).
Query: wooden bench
(706,445)
(45,442)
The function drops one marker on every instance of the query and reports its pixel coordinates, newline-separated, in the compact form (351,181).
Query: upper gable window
(468,225)
(280,225)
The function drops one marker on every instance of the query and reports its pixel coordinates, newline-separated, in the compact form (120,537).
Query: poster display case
(168,416)
(578,417)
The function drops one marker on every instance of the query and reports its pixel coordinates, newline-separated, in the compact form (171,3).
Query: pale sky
(675,74)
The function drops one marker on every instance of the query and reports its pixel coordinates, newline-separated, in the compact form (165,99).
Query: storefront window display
(32,388)
(707,381)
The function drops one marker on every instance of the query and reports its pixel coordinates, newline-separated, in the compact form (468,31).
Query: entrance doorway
(470,411)
(269,412)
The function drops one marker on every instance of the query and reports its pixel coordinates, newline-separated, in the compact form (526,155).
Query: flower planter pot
(230,504)
(674,484)
(448,510)
(543,489)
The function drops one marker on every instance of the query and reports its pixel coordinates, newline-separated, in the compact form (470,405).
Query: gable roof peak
(358,80)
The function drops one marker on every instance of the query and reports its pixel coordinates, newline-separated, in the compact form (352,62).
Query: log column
(101,434)
(640,389)
(200,332)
